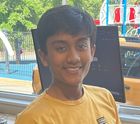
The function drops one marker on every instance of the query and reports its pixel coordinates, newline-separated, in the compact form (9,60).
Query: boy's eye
(83,45)
(61,49)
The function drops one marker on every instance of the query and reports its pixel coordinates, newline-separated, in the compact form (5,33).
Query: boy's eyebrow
(57,42)
(84,38)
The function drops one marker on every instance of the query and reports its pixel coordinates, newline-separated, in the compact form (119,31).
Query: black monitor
(105,70)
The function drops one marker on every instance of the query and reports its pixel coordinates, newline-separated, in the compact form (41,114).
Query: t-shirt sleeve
(25,119)
(114,105)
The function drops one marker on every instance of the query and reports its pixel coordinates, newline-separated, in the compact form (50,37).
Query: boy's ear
(93,49)
(42,57)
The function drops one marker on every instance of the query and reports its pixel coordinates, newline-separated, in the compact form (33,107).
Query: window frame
(129,114)
(13,103)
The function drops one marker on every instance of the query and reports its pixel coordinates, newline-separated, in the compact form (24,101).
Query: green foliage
(91,6)
(20,15)
(133,1)
(23,15)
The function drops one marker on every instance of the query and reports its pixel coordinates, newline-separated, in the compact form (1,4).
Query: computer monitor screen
(105,70)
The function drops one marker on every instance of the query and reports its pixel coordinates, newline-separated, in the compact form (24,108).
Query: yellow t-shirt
(96,106)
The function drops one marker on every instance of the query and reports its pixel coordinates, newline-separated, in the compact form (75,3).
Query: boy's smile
(69,58)
(72,70)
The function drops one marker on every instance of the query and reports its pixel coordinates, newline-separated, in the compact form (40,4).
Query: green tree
(91,6)
(23,15)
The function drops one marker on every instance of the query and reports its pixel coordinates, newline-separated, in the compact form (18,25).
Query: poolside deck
(14,85)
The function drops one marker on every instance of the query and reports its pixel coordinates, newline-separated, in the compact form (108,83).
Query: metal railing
(21,64)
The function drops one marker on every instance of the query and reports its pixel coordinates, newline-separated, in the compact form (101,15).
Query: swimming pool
(22,71)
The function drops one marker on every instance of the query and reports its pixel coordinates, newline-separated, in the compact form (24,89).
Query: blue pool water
(22,71)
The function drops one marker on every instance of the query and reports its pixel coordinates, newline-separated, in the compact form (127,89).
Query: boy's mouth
(73,70)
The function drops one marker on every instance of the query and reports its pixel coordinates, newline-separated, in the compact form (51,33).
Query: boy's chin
(74,83)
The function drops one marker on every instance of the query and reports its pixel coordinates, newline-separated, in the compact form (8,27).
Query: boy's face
(69,58)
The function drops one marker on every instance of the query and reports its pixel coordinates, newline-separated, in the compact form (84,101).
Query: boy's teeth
(72,69)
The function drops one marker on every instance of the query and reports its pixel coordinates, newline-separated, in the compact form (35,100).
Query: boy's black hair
(66,19)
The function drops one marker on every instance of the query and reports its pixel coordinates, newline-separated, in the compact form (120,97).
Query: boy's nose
(73,56)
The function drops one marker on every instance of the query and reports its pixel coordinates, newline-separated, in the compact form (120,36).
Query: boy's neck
(65,92)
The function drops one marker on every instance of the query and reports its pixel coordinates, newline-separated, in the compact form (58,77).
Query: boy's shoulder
(95,88)
(37,108)
(97,92)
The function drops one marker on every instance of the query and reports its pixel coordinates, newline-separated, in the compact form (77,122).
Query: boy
(67,46)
